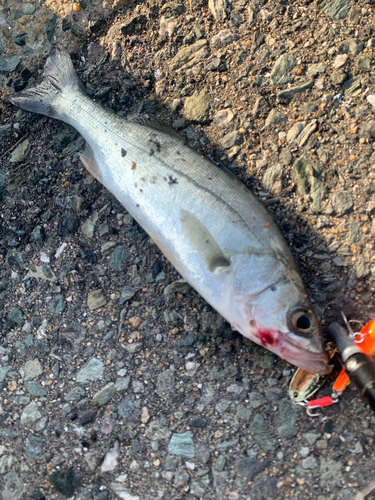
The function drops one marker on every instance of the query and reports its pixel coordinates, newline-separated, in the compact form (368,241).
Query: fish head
(280,317)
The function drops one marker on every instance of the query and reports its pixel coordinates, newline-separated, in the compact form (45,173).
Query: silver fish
(214,231)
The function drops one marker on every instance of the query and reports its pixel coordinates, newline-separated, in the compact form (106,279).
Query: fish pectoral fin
(88,160)
(204,243)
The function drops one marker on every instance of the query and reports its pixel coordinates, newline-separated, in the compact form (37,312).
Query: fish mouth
(302,356)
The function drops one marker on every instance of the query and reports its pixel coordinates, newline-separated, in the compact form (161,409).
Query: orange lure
(367,346)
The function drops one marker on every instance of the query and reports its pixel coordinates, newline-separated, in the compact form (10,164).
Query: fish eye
(302,320)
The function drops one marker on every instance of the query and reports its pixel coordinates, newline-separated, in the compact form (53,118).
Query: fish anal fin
(88,160)
(204,243)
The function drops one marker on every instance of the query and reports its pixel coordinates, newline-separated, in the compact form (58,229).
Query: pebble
(249,467)
(104,395)
(110,461)
(261,434)
(65,481)
(275,118)
(95,300)
(13,487)
(123,492)
(231,139)
(281,69)
(197,107)
(92,371)
(21,151)
(30,414)
(342,202)
(31,369)
(223,117)
(182,444)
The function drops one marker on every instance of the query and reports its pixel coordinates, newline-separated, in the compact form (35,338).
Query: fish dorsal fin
(156,124)
(203,243)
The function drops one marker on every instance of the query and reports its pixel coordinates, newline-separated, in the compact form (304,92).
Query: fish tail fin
(58,76)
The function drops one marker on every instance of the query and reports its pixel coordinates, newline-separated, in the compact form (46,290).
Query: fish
(208,224)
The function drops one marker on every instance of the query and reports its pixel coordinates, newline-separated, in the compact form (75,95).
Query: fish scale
(215,232)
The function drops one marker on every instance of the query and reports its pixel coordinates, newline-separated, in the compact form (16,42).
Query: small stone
(95,300)
(309,463)
(282,68)
(31,370)
(104,395)
(231,139)
(261,107)
(197,490)
(352,87)
(220,463)
(13,487)
(275,118)
(33,447)
(93,459)
(182,444)
(287,95)
(16,316)
(299,167)
(35,388)
(65,481)
(198,423)
(75,394)
(110,461)
(243,413)
(223,117)
(339,61)
(134,21)
(122,383)
(226,445)
(30,414)
(123,492)
(165,384)
(127,293)
(367,131)
(126,407)
(9,64)
(315,69)
(311,437)
(330,473)
(57,306)
(118,258)
(261,433)
(190,55)
(51,26)
(92,371)
(37,235)
(223,38)
(249,467)
(181,477)
(364,63)
(218,372)
(21,151)
(338,77)
(88,226)
(306,132)
(342,202)
(295,131)
(197,107)
(337,9)
(218,9)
